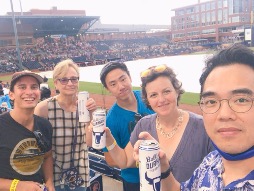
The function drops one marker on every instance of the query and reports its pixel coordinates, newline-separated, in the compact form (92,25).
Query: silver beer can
(84,115)
(99,124)
(149,166)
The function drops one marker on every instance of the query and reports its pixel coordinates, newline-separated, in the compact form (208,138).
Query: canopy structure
(40,26)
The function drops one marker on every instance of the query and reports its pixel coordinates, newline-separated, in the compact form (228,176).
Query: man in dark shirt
(25,139)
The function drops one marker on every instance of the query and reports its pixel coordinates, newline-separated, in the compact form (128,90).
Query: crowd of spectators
(45,53)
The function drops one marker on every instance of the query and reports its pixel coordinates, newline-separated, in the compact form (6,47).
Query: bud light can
(149,166)
(84,115)
(99,124)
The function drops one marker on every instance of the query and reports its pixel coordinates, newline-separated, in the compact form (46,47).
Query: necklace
(173,132)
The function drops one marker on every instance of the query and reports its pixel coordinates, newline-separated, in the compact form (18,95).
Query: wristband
(166,173)
(112,146)
(14,185)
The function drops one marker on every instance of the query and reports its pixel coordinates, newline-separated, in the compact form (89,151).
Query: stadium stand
(47,39)
(45,54)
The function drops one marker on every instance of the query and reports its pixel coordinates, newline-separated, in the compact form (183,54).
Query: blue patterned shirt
(207,177)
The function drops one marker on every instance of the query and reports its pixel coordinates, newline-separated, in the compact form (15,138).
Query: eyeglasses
(238,103)
(132,124)
(157,69)
(65,81)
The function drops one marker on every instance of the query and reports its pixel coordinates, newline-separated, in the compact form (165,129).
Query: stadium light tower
(16,37)
(20,4)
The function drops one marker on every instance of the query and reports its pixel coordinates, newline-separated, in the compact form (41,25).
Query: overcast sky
(110,11)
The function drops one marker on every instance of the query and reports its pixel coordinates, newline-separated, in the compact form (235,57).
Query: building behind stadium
(216,21)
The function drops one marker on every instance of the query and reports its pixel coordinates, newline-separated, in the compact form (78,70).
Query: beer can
(83,113)
(99,124)
(149,166)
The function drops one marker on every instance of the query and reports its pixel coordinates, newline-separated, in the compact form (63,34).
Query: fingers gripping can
(149,166)
(83,113)
(99,135)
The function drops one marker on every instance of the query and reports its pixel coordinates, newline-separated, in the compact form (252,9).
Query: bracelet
(112,146)
(14,185)
(166,173)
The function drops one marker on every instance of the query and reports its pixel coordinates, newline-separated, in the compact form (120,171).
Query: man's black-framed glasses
(238,103)
(65,81)
(132,124)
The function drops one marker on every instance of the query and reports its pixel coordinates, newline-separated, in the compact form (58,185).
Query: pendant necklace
(174,130)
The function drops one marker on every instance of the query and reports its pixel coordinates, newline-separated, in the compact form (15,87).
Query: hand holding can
(149,166)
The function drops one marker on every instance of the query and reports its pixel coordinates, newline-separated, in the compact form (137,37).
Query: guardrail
(98,163)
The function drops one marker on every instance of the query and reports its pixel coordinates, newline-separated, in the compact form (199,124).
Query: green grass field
(97,88)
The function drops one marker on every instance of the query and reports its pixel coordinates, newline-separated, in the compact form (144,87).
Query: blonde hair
(62,67)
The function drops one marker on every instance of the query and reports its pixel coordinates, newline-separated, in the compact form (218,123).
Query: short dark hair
(109,67)
(170,74)
(237,53)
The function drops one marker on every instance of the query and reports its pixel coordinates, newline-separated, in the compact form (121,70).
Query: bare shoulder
(42,109)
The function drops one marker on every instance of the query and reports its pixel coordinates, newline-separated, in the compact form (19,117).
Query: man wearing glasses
(227,94)
(123,115)
(25,139)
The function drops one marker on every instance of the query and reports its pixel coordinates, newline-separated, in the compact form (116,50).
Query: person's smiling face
(71,87)
(161,95)
(26,93)
(231,131)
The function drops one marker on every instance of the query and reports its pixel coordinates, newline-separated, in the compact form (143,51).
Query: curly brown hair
(153,75)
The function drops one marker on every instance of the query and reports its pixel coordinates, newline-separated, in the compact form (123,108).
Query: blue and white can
(149,166)
(99,124)
(84,115)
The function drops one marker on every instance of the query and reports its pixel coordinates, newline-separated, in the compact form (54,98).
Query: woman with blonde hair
(70,137)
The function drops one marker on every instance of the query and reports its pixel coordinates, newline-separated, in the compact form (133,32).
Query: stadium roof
(53,25)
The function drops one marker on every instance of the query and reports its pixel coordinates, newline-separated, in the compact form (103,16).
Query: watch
(166,173)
